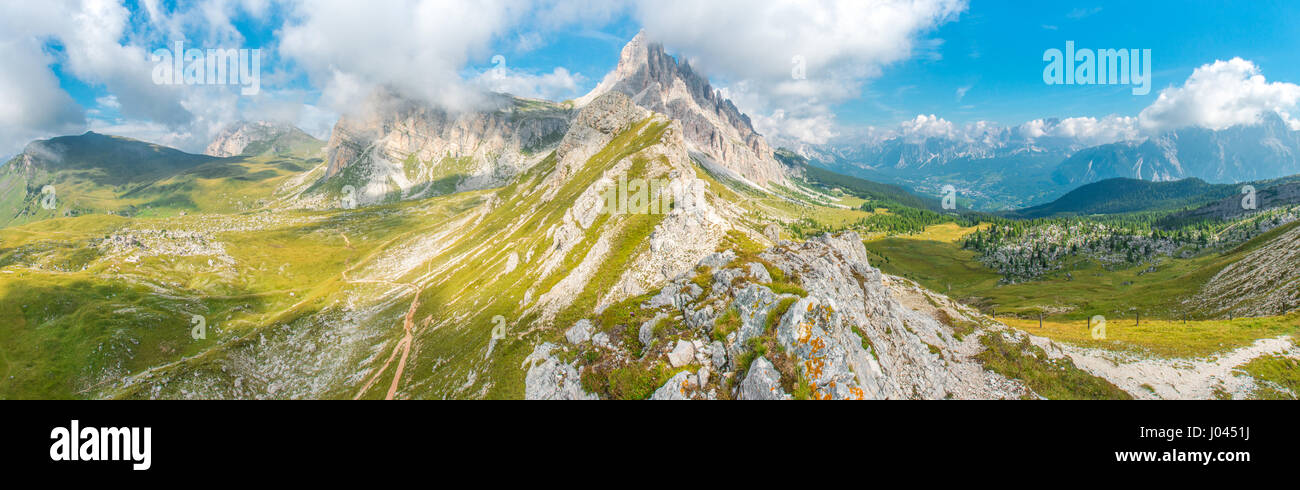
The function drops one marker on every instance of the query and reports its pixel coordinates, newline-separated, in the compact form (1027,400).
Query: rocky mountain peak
(717,132)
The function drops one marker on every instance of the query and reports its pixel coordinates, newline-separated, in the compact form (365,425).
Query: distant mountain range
(1240,153)
(1187,199)
(1003,168)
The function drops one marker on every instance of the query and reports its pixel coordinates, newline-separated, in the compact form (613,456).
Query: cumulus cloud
(34,104)
(835,46)
(1219,95)
(1074,131)
(104,45)
(813,128)
(559,84)
(416,47)
(923,127)
(1085,131)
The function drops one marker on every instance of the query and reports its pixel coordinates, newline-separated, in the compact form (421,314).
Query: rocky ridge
(847,337)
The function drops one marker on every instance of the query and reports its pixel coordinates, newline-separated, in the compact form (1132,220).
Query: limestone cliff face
(712,126)
(401,145)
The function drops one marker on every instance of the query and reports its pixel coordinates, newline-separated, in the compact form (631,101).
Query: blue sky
(871,65)
(997,46)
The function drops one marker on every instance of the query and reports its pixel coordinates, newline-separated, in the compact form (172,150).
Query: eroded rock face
(711,124)
(399,145)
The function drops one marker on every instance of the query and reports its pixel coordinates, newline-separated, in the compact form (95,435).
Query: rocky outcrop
(711,124)
(548,378)
(237,138)
(762,383)
(849,337)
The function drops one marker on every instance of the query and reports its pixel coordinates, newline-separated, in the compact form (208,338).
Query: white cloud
(817,128)
(103,46)
(1085,131)
(109,101)
(841,45)
(417,47)
(559,84)
(1219,95)
(961,92)
(1080,13)
(34,105)
(922,127)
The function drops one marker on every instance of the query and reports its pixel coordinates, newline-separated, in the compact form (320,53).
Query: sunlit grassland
(1165,338)
(228,185)
(1274,377)
(65,326)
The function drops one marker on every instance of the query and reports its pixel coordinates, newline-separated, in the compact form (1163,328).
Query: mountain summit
(714,128)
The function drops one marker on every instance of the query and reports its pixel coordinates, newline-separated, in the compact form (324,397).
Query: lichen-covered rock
(723,279)
(762,383)
(549,379)
(851,337)
(753,303)
(681,386)
(701,318)
(718,353)
(676,294)
(601,339)
(646,333)
(905,353)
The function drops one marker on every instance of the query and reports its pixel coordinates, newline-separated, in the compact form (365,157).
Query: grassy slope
(477,288)
(217,186)
(935,260)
